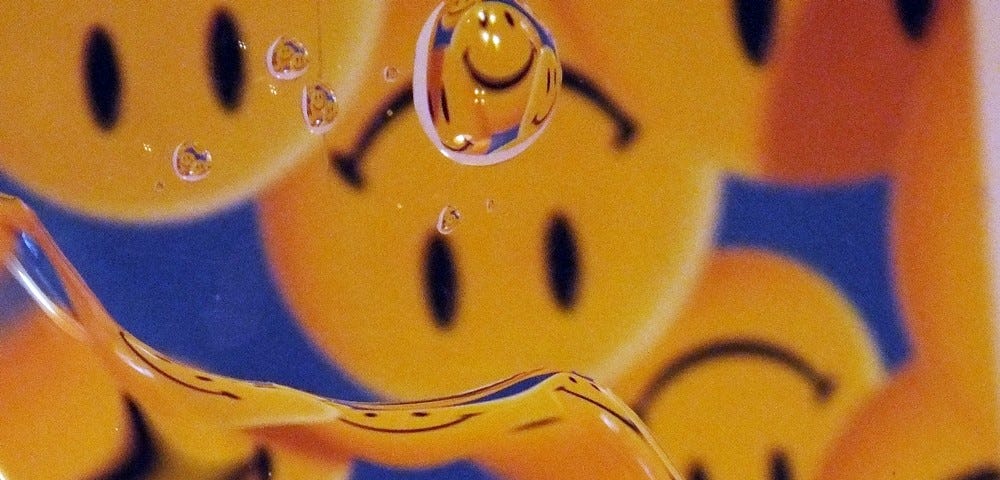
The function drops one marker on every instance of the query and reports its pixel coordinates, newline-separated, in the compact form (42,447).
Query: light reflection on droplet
(495,81)
(287,58)
(319,107)
(448,219)
(191,162)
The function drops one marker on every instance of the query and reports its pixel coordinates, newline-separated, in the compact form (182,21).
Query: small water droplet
(319,107)
(390,74)
(495,80)
(389,112)
(490,204)
(191,162)
(158,186)
(287,58)
(242,45)
(448,219)
(399,206)
(273,89)
(147,147)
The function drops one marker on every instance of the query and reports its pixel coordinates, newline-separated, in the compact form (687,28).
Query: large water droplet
(448,219)
(287,58)
(191,162)
(319,107)
(485,80)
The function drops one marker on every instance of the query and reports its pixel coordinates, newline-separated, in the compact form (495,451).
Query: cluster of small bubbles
(448,219)
(272,88)
(287,58)
(191,162)
(319,107)
(147,147)
(390,74)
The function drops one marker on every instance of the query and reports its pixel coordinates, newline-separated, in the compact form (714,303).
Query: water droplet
(399,206)
(495,84)
(490,204)
(390,74)
(287,58)
(158,186)
(319,107)
(273,89)
(389,112)
(191,162)
(448,219)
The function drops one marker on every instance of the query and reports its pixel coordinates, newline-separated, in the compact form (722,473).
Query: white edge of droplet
(986,22)
(290,75)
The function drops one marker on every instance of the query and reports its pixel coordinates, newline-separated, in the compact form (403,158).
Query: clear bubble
(448,219)
(191,162)
(390,74)
(287,58)
(494,84)
(319,107)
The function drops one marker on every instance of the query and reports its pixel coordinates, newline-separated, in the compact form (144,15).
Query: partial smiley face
(759,375)
(104,98)
(575,256)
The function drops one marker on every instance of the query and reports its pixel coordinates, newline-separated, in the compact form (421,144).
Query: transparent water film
(485,80)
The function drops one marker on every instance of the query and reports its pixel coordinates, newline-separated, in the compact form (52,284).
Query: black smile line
(823,385)
(498,83)
(411,430)
(349,165)
(538,121)
(457,399)
(173,378)
(630,424)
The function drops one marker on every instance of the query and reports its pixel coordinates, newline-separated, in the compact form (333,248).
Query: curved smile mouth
(498,83)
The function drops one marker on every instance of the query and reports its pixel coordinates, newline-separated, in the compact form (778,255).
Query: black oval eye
(226,60)
(755,21)
(103,78)
(697,473)
(780,469)
(441,282)
(563,262)
(982,473)
(915,15)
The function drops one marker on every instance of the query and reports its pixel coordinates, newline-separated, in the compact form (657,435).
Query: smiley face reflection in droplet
(486,78)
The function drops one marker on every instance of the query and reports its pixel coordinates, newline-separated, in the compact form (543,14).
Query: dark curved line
(143,456)
(538,121)
(822,384)
(411,430)
(501,83)
(626,125)
(348,164)
(173,378)
(630,424)
(986,472)
(544,422)
(458,396)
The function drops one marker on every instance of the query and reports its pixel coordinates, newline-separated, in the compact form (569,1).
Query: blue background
(201,290)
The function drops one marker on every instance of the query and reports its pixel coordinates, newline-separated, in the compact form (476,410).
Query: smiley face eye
(226,62)
(441,282)
(780,468)
(755,21)
(914,16)
(563,262)
(697,472)
(102,77)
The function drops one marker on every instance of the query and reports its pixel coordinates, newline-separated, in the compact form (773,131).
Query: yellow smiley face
(760,373)
(105,96)
(419,276)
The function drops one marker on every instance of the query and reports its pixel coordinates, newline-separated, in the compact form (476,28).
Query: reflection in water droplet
(448,219)
(287,58)
(390,74)
(319,107)
(191,162)
(485,80)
